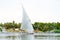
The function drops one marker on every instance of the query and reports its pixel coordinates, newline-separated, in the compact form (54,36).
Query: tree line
(37,26)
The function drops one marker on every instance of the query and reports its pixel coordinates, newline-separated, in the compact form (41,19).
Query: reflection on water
(29,37)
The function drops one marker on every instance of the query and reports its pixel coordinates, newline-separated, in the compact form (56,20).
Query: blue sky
(37,10)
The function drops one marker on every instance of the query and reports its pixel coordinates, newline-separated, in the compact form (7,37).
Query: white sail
(26,23)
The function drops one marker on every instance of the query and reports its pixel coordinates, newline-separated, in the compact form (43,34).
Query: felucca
(26,25)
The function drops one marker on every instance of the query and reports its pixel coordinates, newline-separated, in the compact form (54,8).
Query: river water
(17,36)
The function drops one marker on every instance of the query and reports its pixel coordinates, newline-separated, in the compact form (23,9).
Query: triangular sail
(26,23)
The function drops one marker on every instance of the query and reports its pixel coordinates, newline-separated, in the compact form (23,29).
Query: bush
(0,30)
(57,31)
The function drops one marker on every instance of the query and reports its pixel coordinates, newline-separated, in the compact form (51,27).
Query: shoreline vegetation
(38,27)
